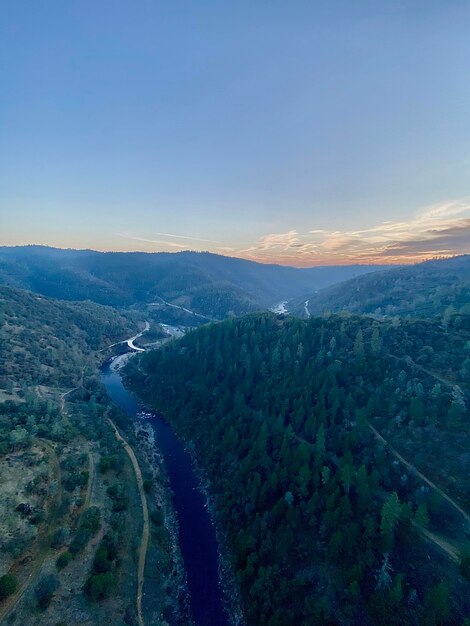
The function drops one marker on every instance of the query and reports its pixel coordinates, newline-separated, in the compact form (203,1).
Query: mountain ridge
(420,290)
(212,284)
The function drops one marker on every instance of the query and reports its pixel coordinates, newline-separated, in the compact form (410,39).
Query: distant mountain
(424,290)
(210,284)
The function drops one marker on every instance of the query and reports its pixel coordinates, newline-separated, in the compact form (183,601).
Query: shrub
(60,537)
(45,590)
(105,554)
(63,560)
(157,517)
(110,461)
(465,567)
(82,537)
(118,496)
(99,586)
(8,585)
(91,519)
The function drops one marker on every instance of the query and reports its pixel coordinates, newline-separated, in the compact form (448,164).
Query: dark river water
(196,532)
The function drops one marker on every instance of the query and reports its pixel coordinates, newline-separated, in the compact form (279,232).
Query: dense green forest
(324,523)
(427,289)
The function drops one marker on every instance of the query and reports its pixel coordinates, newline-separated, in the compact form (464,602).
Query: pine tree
(390,515)
(359,344)
(345,474)
(320,443)
(421,515)
(375,342)
(383,576)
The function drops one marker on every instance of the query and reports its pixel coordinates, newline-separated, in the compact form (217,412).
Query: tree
(8,585)
(383,576)
(375,341)
(421,515)
(345,474)
(465,567)
(325,474)
(320,443)
(390,515)
(45,590)
(335,544)
(437,602)
(359,344)
(446,317)
(63,560)
(362,486)
(416,410)
(100,585)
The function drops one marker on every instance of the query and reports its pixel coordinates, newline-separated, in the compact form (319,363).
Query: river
(197,536)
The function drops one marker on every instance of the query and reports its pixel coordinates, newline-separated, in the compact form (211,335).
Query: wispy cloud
(442,229)
(438,230)
(187,237)
(159,242)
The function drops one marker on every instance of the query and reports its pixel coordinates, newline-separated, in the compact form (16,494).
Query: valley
(235,313)
(283,468)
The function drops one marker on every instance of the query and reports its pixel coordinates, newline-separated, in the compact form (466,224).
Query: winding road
(182,308)
(130,342)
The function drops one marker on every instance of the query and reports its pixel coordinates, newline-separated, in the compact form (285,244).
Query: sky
(297,132)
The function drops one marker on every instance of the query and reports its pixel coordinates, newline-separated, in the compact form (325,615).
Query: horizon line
(233,256)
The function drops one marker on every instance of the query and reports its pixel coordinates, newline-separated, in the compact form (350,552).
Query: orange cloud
(439,230)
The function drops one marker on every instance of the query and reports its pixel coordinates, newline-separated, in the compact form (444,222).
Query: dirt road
(414,470)
(145,531)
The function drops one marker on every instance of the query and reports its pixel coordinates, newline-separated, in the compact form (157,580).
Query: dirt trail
(62,405)
(145,531)
(448,548)
(91,477)
(409,361)
(416,472)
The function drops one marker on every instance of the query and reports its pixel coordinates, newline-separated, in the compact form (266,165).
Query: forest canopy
(322,522)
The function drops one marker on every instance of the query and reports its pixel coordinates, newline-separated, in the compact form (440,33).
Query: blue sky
(299,132)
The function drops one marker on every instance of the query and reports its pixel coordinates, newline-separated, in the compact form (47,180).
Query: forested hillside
(427,289)
(70,514)
(48,342)
(324,521)
(210,284)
